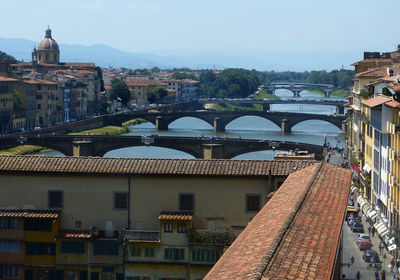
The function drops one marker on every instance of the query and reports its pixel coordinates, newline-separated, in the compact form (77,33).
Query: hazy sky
(208,25)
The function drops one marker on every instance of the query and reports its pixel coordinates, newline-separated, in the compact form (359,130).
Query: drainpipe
(129,203)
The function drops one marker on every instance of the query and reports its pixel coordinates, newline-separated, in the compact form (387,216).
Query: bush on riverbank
(22,150)
(262,94)
(231,107)
(107,130)
(134,122)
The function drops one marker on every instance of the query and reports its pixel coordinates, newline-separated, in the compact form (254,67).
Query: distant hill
(3,55)
(106,56)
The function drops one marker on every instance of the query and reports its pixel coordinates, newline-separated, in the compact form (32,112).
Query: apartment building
(148,218)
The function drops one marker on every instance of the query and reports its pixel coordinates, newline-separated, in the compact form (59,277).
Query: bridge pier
(213,151)
(266,107)
(161,124)
(339,110)
(82,148)
(327,93)
(296,93)
(218,125)
(285,127)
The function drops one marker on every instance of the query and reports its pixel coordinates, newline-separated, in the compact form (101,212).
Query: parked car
(364,244)
(371,255)
(357,227)
(362,236)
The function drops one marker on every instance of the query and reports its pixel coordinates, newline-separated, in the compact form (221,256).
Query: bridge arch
(118,146)
(261,118)
(153,152)
(332,122)
(197,122)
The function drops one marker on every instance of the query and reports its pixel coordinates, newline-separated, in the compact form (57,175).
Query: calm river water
(312,131)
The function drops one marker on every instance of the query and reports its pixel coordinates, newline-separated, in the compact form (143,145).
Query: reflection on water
(250,127)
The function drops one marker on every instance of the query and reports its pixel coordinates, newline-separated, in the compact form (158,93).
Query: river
(312,131)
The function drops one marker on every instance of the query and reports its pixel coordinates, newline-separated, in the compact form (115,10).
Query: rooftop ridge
(279,237)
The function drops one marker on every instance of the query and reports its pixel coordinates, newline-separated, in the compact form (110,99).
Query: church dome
(48,43)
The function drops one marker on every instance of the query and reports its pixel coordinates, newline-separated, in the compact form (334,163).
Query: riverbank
(262,94)
(107,130)
(134,122)
(231,107)
(336,93)
(30,149)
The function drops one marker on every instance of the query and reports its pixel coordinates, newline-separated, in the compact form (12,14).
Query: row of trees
(229,83)
(339,78)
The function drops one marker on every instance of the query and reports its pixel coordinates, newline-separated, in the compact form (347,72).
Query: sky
(201,26)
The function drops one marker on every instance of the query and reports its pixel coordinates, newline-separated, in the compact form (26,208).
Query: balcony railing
(141,236)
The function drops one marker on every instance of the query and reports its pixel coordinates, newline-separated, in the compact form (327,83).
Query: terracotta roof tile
(177,216)
(278,244)
(6,79)
(29,213)
(144,82)
(393,104)
(74,234)
(375,72)
(376,101)
(118,166)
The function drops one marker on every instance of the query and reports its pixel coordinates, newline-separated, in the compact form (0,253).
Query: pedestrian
(369,230)
(380,247)
(358,275)
(383,274)
(352,260)
(373,231)
(398,265)
(376,274)
(392,264)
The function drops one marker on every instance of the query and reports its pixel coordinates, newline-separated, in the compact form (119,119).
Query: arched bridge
(219,120)
(268,102)
(198,147)
(296,88)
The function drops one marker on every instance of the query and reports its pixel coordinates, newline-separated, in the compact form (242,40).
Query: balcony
(12,234)
(141,236)
(210,237)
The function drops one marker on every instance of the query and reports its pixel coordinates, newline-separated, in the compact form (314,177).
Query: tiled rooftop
(376,72)
(376,101)
(296,234)
(29,213)
(74,234)
(177,216)
(123,166)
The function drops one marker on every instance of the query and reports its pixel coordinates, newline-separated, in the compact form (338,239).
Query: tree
(157,94)
(17,102)
(100,77)
(120,90)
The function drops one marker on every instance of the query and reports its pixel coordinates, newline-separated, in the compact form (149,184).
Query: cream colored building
(155,203)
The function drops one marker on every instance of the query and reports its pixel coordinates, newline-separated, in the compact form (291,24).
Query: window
(149,252)
(38,106)
(72,275)
(105,248)
(206,255)
(9,247)
(9,272)
(8,223)
(253,202)
(36,248)
(181,228)
(71,247)
(56,199)
(120,200)
(174,254)
(186,202)
(39,97)
(136,251)
(38,224)
(168,227)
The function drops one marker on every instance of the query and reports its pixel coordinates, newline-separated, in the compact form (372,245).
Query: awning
(382,229)
(378,225)
(372,214)
(392,247)
(367,168)
(355,167)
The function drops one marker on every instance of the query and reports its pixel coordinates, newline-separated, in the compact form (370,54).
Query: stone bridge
(268,102)
(198,147)
(219,120)
(296,88)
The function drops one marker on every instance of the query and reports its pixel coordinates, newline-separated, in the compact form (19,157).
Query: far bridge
(220,119)
(198,147)
(296,88)
(268,102)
